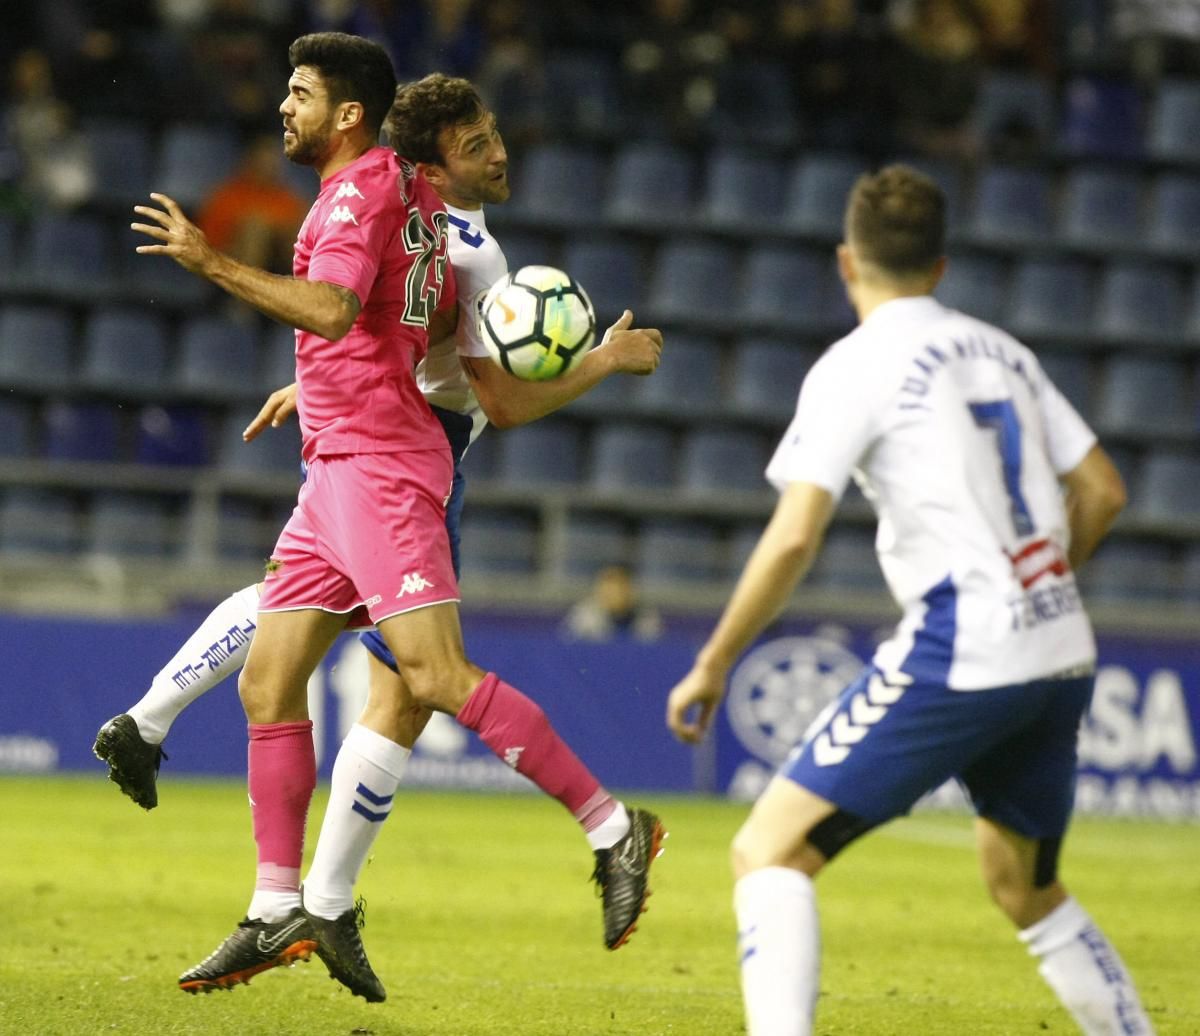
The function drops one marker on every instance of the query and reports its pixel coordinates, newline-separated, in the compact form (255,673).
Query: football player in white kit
(989,491)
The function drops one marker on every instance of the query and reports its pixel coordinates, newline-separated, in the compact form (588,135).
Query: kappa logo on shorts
(413,583)
(849,726)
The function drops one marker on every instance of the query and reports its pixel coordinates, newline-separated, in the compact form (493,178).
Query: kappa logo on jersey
(413,583)
(341,214)
(850,725)
(348,190)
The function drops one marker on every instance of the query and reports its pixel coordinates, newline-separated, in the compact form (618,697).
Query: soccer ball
(537,322)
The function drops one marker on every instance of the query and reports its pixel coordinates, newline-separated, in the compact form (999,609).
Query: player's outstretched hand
(693,702)
(280,405)
(179,237)
(634,350)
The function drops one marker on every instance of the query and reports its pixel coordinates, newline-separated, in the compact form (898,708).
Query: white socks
(779,949)
(366,774)
(1086,973)
(217,649)
(610,830)
(271,905)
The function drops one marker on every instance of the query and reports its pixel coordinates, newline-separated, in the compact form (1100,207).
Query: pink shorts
(367,538)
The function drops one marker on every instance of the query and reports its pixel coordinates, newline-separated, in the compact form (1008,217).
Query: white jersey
(478,263)
(957,439)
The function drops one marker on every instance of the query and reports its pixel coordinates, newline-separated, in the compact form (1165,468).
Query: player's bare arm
(1095,497)
(509,401)
(328,310)
(783,556)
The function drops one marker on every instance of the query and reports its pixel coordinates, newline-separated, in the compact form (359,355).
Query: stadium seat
(482,461)
(156,280)
(688,380)
(755,104)
(1168,489)
(34,521)
(818,187)
(239,530)
(193,158)
(558,185)
(744,190)
(651,184)
(848,562)
(278,359)
(529,248)
(1143,397)
(82,431)
(715,461)
(1140,302)
(948,175)
(125,353)
(1174,215)
(16,428)
(499,543)
(1174,131)
(628,456)
(218,359)
(1101,118)
(1101,208)
(1011,206)
(275,452)
(766,378)
(1014,111)
(1072,375)
(8,250)
(582,95)
(121,155)
(172,436)
(976,284)
(610,271)
(37,344)
(1189,575)
(669,551)
(592,542)
(546,452)
(1128,570)
(610,398)
(129,525)
(68,256)
(790,288)
(694,282)
(1050,296)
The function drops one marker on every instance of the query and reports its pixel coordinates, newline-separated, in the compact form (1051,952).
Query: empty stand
(125,353)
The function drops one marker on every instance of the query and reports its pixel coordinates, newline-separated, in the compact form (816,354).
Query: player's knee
(443,684)
(1023,892)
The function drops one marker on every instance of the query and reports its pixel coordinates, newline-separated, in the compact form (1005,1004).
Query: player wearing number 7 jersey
(964,448)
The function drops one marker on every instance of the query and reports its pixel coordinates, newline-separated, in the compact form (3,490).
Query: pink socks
(282,775)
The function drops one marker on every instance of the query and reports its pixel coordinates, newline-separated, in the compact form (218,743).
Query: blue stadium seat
(34,521)
(36,348)
(156,280)
(125,352)
(818,187)
(694,282)
(275,451)
(1139,302)
(1072,375)
(676,551)
(1050,296)
(592,542)
(1101,118)
(68,256)
(651,184)
(82,431)
(628,456)
(790,288)
(121,154)
(848,562)
(688,380)
(976,284)
(717,460)
(948,175)
(744,190)
(1174,216)
(582,94)
(1014,109)
(755,105)
(1101,208)
(1174,131)
(1012,206)
(194,158)
(1141,397)
(8,250)
(278,359)
(767,374)
(529,248)
(172,436)
(16,428)
(558,185)
(218,359)
(610,271)
(246,530)
(498,543)
(546,452)
(129,525)
(1168,489)
(1189,575)
(1129,570)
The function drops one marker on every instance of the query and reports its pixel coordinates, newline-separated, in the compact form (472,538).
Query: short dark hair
(353,69)
(896,220)
(424,108)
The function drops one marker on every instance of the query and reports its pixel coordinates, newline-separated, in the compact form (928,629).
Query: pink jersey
(378,229)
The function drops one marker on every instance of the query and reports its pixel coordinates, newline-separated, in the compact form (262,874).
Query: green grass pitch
(481,922)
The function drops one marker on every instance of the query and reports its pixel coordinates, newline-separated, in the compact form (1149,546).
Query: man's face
(475,170)
(308,118)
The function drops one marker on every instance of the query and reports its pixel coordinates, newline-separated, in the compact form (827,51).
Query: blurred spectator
(612,610)
(1018,34)
(55,165)
(937,72)
(255,214)
(510,74)
(1162,37)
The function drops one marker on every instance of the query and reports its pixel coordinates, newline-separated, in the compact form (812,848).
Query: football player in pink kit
(367,541)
